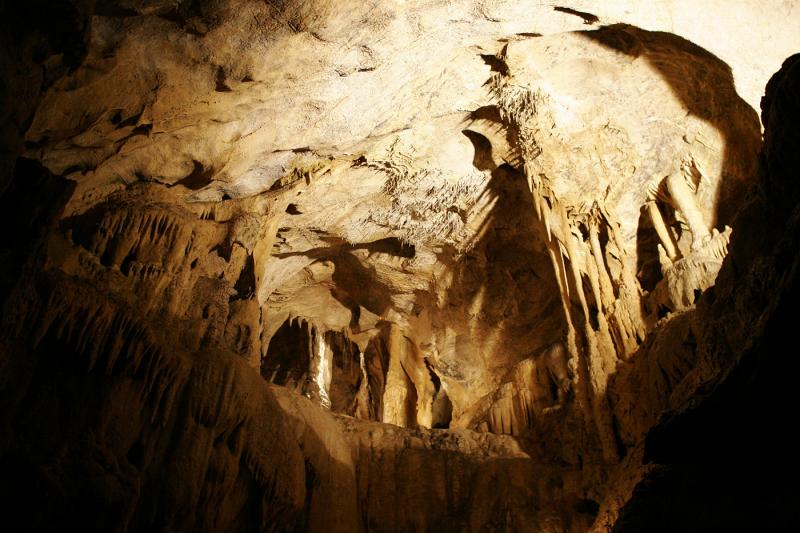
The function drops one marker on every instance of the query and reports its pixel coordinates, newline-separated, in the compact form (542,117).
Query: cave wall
(722,450)
(468,239)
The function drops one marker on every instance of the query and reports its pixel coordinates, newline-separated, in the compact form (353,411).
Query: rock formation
(446,266)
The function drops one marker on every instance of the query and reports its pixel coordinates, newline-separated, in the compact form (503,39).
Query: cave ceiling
(501,218)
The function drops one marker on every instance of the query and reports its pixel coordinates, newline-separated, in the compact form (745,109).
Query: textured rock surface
(498,220)
(731,408)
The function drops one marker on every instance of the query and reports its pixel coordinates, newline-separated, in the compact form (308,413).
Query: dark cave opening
(289,355)
(289,360)
(346,375)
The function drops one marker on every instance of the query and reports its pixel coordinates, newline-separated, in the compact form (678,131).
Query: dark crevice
(125,265)
(221,86)
(389,245)
(288,355)
(198,178)
(346,374)
(30,205)
(587,506)
(224,250)
(437,383)
(110,8)
(487,112)
(245,286)
(310,483)
(376,359)
(648,266)
(142,129)
(124,123)
(588,18)
(495,64)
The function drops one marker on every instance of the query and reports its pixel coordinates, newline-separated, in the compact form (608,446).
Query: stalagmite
(555,357)
(684,199)
(398,397)
(415,368)
(662,231)
(362,410)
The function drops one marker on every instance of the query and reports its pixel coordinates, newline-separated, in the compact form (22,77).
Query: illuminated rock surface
(407,266)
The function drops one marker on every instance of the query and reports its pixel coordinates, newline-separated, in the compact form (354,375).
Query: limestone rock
(456,265)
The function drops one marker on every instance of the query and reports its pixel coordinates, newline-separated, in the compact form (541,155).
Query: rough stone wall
(517,237)
(724,432)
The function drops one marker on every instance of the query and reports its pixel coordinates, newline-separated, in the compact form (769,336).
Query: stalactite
(546,220)
(106,338)
(594,283)
(574,254)
(661,230)
(606,287)
(557,261)
(594,354)
(363,400)
(324,370)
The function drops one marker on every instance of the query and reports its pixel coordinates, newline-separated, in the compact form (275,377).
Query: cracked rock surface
(430,266)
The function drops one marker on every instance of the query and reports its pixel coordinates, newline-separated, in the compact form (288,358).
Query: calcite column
(423,385)
(685,201)
(320,369)
(661,230)
(398,395)
(606,287)
(262,255)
